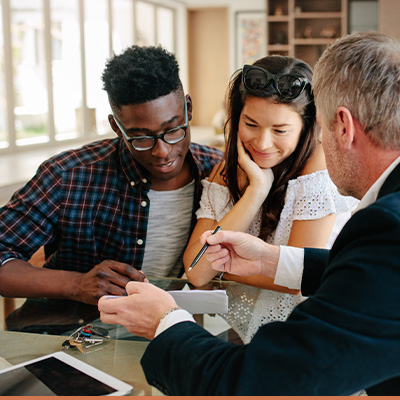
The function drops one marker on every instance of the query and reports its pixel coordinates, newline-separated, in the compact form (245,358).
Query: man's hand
(139,312)
(240,254)
(107,278)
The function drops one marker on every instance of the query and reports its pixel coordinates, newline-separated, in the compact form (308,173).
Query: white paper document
(201,301)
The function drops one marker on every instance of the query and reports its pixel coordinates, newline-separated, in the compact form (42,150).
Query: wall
(388,17)
(208,61)
(211,52)
(232,6)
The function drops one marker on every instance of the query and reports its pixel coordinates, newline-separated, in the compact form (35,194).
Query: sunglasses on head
(257,79)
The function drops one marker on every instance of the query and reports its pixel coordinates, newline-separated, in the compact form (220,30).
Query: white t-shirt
(168,230)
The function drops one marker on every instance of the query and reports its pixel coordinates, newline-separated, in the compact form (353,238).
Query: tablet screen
(48,377)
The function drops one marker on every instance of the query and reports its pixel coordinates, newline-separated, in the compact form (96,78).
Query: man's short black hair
(141,74)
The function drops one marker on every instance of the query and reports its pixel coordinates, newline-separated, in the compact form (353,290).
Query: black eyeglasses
(257,79)
(143,143)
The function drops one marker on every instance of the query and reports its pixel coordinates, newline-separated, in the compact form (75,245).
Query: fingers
(136,287)
(243,157)
(215,252)
(206,237)
(221,264)
(147,292)
(269,177)
(108,309)
(240,147)
(106,304)
(139,312)
(219,259)
(111,303)
(139,276)
(109,318)
(222,237)
(107,278)
(127,270)
(118,275)
(115,290)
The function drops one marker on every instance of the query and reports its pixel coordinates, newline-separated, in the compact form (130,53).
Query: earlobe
(345,126)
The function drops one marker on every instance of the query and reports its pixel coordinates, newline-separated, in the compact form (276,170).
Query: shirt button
(144,180)
(143,203)
(139,242)
(132,183)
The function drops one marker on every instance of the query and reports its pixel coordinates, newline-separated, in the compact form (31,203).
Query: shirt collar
(196,165)
(133,171)
(372,193)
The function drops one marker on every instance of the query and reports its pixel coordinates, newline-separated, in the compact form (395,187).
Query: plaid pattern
(88,205)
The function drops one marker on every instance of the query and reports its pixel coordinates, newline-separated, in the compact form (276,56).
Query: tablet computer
(59,374)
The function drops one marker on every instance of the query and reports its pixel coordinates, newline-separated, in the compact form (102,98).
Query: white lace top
(308,197)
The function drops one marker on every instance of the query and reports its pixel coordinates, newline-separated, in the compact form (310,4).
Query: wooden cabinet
(303,28)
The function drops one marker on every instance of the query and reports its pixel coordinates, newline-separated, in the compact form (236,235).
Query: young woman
(273,181)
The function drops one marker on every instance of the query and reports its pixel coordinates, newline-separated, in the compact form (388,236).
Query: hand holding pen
(202,251)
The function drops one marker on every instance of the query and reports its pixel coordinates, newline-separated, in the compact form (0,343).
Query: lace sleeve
(315,196)
(215,201)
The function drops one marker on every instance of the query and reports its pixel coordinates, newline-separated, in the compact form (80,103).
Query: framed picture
(251,37)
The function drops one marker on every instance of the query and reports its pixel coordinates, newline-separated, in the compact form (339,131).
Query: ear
(189,107)
(114,126)
(345,127)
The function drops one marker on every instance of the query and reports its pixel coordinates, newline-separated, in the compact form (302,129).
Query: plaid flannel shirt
(88,205)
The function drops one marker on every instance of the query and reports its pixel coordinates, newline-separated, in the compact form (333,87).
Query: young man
(345,336)
(117,209)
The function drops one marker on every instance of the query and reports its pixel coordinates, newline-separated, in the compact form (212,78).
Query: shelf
(318,5)
(314,41)
(278,18)
(318,15)
(296,29)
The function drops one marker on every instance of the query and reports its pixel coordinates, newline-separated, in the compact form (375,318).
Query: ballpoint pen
(202,251)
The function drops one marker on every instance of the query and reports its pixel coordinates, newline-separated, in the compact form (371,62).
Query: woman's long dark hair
(292,166)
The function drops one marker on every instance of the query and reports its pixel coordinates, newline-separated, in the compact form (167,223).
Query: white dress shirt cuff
(290,267)
(174,318)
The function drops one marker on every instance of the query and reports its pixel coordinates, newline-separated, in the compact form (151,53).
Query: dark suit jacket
(345,337)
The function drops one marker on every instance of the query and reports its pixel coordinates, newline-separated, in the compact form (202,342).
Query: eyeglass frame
(275,78)
(161,136)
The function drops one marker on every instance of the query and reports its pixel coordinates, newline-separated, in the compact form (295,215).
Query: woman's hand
(259,179)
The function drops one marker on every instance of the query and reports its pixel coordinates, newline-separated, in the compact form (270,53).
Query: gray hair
(361,72)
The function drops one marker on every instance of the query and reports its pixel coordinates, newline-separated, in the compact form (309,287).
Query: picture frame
(251,36)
